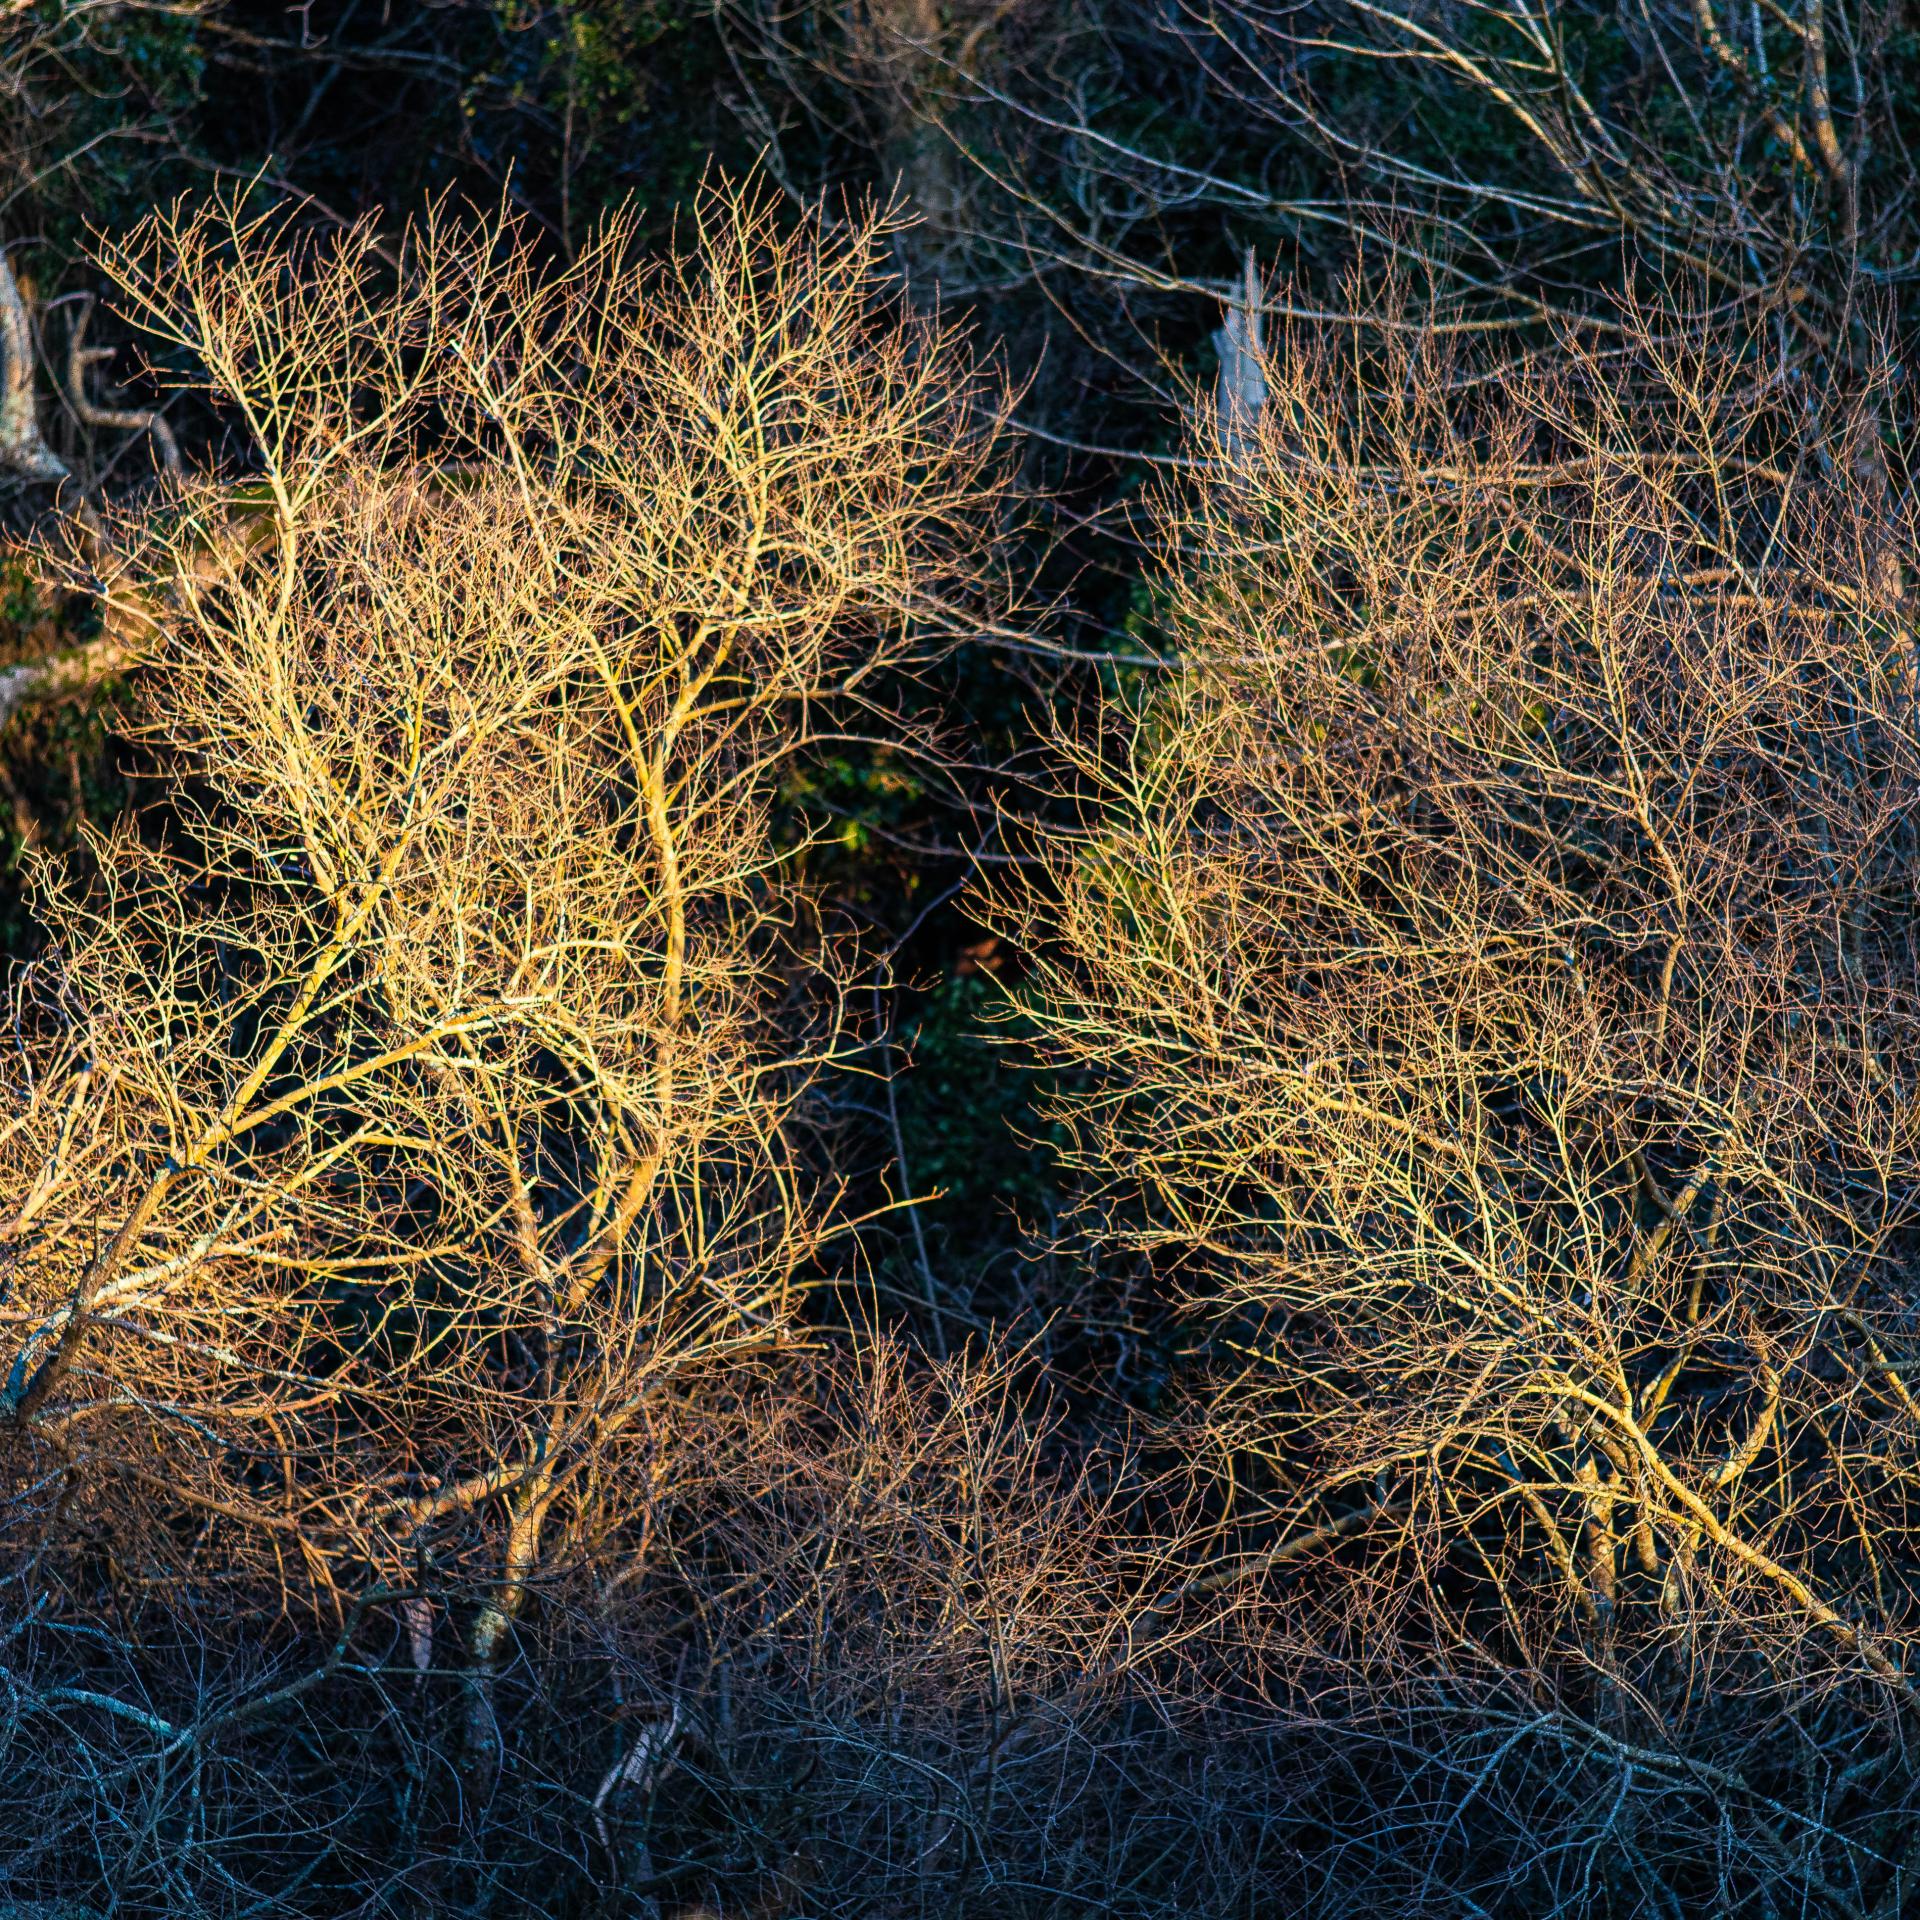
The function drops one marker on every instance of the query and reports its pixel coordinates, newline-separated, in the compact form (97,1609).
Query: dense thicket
(959,961)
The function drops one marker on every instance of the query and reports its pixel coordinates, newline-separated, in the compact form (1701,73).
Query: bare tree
(1101,170)
(406,1110)
(1487,995)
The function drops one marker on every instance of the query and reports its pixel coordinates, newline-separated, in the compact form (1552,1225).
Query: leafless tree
(1519,167)
(404,1113)
(1486,994)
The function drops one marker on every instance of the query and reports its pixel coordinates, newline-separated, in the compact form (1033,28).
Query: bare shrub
(406,1109)
(1487,996)
(926,1663)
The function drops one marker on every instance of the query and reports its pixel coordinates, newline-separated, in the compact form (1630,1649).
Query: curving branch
(81,359)
(65,675)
